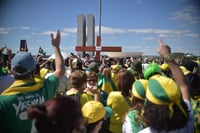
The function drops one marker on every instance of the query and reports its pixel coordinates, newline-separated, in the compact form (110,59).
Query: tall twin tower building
(85,34)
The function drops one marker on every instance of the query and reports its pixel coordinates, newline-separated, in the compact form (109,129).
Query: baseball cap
(162,90)
(93,66)
(24,60)
(94,111)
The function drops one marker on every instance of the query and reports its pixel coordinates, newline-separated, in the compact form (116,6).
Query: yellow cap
(184,70)
(162,90)
(93,111)
(164,66)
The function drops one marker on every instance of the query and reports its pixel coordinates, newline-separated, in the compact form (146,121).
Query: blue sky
(133,24)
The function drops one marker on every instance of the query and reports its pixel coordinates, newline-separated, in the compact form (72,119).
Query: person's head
(78,79)
(57,115)
(136,69)
(115,68)
(87,56)
(125,81)
(189,65)
(23,65)
(102,67)
(94,113)
(164,108)
(107,72)
(93,66)
(139,93)
(151,70)
(92,78)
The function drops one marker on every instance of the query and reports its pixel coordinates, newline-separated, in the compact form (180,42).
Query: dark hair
(137,104)
(90,127)
(92,75)
(125,82)
(57,115)
(158,118)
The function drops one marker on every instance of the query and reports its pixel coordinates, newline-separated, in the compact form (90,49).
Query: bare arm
(59,62)
(178,75)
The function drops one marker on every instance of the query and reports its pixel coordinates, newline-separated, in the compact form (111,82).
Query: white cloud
(109,30)
(157,31)
(188,15)
(63,34)
(70,30)
(24,27)
(193,35)
(4,30)
(148,38)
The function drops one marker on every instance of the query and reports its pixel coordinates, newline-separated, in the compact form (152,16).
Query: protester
(134,119)
(62,84)
(95,114)
(92,88)
(57,115)
(114,71)
(108,73)
(136,69)
(193,79)
(120,101)
(25,91)
(78,81)
(103,82)
(5,63)
(167,107)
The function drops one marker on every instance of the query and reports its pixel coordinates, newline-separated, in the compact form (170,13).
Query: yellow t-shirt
(84,97)
(120,108)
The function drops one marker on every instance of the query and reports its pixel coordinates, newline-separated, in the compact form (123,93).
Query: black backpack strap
(76,97)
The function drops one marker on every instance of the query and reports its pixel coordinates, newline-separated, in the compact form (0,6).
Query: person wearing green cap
(133,121)
(167,108)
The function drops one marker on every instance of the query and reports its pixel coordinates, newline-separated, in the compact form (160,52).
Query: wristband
(169,58)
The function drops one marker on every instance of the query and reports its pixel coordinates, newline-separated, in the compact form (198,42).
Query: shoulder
(71,92)
(115,94)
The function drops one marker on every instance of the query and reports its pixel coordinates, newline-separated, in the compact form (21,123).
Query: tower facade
(81,32)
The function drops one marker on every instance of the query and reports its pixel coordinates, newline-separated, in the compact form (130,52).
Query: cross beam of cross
(98,48)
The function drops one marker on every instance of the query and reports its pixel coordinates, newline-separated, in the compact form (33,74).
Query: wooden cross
(98,48)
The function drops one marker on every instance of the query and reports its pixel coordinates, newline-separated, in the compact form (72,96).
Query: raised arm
(59,62)
(178,75)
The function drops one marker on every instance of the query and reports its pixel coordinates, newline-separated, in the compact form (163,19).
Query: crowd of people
(75,95)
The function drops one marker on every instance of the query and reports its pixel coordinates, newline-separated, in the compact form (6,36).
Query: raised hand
(163,50)
(55,41)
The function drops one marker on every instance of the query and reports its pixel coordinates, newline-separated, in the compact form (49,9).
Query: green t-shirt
(14,105)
